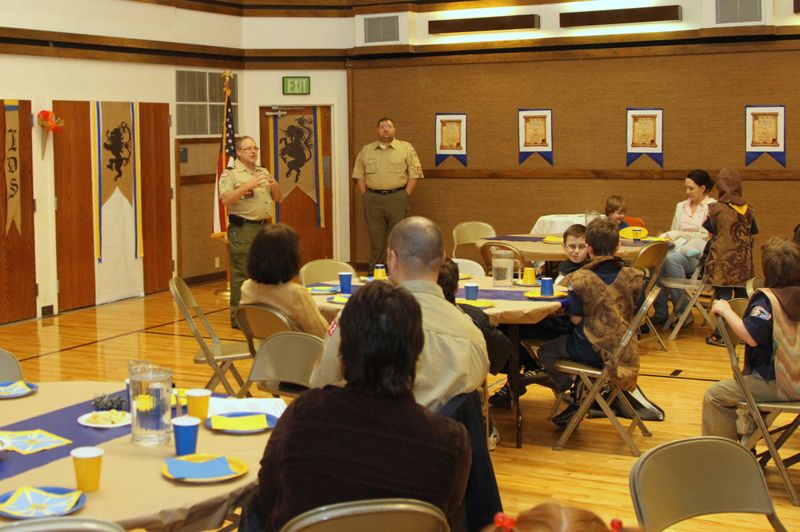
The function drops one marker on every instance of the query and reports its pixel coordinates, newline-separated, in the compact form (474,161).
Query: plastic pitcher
(150,388)
(502,268)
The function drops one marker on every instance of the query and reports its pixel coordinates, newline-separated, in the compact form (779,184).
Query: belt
(386,192)
(238,220)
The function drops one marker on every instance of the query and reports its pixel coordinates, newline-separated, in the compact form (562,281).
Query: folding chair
(763,413)
(469,232)
(752,285)
(490,247)
(649,259)
(283,364)
(469,267)
(10,369)
(322,270)
(694,288)
(219,355)
(595,381)
(259,322)
(375,514)
(688,478)
(64,524)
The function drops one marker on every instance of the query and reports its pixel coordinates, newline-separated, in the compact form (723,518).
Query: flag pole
(227,153)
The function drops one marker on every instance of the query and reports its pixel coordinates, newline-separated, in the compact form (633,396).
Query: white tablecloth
(556,224)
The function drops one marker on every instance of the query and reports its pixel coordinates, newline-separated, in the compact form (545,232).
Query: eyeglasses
(576,247)
(249,148)
(385,127)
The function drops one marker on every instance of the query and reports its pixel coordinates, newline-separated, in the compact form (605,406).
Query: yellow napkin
(254,422)
(339,299)
(654,239)
(32,441)
(550,239)
(15,388)
(480,303)
(29,502)
(462,276)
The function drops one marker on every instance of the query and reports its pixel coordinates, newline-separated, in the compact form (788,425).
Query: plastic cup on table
(197,402)
(546,288)
(637,234)
(87,462)
(346,282)
(379,273)
(471,291)
(528,276)
(185,429)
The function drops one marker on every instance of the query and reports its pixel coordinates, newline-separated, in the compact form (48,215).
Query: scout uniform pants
(382,212)
(239,239)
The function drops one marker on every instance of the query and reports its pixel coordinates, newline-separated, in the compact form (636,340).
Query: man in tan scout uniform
(248,191)
(386,172)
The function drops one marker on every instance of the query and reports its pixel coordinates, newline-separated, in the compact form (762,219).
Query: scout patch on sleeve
(760,312)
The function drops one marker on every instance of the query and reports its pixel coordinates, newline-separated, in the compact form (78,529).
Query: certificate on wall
(645,134)
(765,132)
(451,137)
(535,128)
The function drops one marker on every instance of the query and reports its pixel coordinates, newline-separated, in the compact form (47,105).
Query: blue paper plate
(50,489)
(317,290)
(33,388)
(271,422)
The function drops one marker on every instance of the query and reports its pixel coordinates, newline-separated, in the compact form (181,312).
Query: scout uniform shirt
(387,168)
(255,207)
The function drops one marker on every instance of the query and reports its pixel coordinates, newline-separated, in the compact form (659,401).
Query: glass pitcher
(502,267)
(150,389)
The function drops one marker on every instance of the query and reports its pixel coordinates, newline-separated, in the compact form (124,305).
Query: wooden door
(296,147)
(74,228)
(156,196)
(17,250)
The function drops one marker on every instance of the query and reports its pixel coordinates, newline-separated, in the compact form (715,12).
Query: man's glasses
(249,148)
(385,127)
(576,247)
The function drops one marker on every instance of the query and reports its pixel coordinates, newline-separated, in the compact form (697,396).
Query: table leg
(513,380)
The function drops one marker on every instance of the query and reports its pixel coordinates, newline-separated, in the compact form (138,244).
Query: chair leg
(556,404)
(685,314)
(591,391)
(787,481)
(624,433)
(636,420)
(655,333)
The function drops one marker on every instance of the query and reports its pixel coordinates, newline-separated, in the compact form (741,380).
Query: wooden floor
(592,472)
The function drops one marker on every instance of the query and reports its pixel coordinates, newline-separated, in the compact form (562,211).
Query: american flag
(227,154)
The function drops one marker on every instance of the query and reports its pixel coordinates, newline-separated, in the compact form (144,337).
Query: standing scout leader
(386,171)
(248,191)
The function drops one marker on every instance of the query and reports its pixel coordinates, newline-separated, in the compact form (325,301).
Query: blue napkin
(216,467)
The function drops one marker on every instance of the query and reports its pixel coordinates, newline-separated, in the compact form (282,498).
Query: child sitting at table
(616,210)
(769,329)
(730,257)
(602,302)
(577,252)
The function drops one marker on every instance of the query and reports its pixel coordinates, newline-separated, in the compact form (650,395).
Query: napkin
(254,422)
(341,300)
(15,388)
(323,289)
(480,303)
(223,405)
(216,467)
(31,441)
(28,502)
(550,239)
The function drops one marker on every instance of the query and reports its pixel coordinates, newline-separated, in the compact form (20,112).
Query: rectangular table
(534,248)
(133,493)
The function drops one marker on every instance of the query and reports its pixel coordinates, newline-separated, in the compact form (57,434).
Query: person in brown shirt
(369,439)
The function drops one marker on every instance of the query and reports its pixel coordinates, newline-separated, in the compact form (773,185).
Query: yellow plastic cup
(197,402)
(529,276)
(87,462)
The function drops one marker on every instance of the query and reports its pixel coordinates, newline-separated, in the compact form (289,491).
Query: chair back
(259,322)
(490,247)
(468,232)
(287,357)
(469,267)
(687,478)
(753,284)
(321,270)
(376,514)
(189,308)
(64,524)
(10,369)
(649,259)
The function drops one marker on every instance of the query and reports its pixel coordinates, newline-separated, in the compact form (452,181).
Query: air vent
(735,11)
(382,29)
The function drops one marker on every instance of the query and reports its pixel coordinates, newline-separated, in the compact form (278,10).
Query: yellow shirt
(387,168)
(259,206)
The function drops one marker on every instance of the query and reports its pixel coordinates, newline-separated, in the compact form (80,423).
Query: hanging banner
(11,166)
(451,137)
(765,132)
(535,129)
(645,135)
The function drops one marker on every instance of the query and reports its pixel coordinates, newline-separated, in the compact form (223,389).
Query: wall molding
(581,173)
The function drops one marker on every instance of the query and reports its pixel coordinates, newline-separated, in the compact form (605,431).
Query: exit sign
(297,85)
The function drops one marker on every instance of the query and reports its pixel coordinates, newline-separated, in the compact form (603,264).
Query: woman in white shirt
(689,238)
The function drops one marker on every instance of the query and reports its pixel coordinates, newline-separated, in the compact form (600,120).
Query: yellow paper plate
(534,294)
(480,303)
(655,239)
(550,239)
(462,276)
(628,232)
(239,468)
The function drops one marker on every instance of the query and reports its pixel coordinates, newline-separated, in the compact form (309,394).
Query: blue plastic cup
(346,282)
(185,429)
(471,291)
(546,288)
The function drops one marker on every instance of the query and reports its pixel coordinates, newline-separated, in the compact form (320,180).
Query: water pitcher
(502,267)
(150,388)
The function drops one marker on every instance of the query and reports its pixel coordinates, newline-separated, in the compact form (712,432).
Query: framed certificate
(535,128)
(450,134)
(535,131)
(765,132)
(644,131)
(645,134)
(764,129)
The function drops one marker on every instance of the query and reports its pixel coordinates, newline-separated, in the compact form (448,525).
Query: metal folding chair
(469,267)
(694,287)
(649,259)
(10,369)
(219,355)
(490,247)
(764,413)
(376,514)
(469,232)
(322,270)
(283,364)
(595,381)
(259,322)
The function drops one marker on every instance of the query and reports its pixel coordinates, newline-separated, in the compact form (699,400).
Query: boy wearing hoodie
(769,330)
